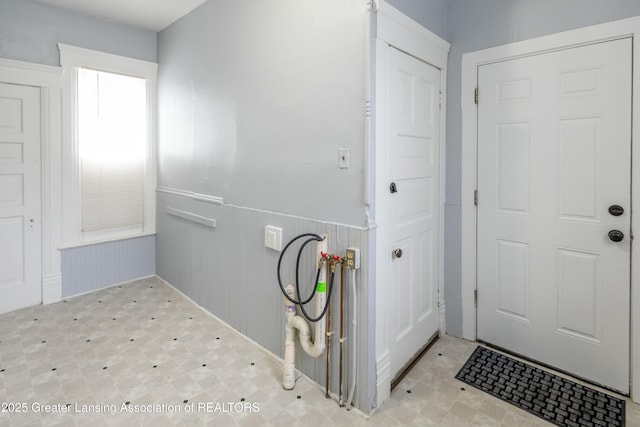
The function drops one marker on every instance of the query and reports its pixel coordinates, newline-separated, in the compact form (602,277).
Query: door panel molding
(49,80)
(20,201)
(397,30)
(470,62)
(413,148)
(566,167)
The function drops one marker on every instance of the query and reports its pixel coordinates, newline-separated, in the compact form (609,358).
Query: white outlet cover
(273,237)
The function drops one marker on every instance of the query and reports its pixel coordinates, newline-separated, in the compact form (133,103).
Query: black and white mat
(548,396)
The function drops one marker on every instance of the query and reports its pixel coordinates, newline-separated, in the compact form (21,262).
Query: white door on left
(20,210)
(413,155)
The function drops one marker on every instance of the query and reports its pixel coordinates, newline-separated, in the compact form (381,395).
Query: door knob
(397,253)
(393,188)
(616,210)
(616,235)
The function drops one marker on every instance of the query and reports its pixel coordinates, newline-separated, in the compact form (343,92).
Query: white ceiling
(154,15)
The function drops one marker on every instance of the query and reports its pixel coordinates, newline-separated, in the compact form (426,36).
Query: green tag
(322,287)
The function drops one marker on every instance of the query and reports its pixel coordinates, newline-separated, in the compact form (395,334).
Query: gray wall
(475,25)
(431,14)
(255,99)
(30,32)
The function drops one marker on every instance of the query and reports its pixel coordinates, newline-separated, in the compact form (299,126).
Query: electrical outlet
(273,237)
(353,258)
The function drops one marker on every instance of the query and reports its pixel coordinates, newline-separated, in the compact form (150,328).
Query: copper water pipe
(342,263)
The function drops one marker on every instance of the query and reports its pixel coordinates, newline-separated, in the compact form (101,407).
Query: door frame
(49,80)
(629,27)
(395,29)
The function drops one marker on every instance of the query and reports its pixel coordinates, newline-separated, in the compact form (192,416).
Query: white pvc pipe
(312,348)
(289,375)
(322,248)
(354,365)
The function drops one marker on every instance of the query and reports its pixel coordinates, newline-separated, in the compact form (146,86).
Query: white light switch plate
(343,158)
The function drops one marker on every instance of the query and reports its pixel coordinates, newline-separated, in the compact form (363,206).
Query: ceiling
(154,15)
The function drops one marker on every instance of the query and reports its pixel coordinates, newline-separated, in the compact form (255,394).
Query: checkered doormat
(553,398)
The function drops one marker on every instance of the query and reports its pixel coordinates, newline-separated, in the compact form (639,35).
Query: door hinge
(475,96)
(475,197)
(475,297)
(440,101)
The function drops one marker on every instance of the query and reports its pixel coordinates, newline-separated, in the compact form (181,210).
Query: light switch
(343,158)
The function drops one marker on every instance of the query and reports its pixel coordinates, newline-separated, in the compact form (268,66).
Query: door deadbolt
(397,253)
(616,210)
(616,235)
(393,188)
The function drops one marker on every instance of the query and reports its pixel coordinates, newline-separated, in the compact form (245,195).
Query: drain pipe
(313,349)
(289,376)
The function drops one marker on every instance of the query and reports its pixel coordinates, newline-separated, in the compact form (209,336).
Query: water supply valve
(323,258)
(333,261)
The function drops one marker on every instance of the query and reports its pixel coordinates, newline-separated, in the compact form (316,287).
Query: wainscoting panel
(229,271)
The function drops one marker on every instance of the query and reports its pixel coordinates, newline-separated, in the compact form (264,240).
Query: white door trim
(470,63)
(397,30)
(49,80)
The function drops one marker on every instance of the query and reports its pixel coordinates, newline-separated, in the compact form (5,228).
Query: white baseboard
(443,318)
(51,288)
(383,378)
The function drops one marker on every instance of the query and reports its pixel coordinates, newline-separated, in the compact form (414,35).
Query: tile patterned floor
(141,354)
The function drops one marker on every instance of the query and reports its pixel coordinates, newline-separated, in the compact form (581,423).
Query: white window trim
(72,58)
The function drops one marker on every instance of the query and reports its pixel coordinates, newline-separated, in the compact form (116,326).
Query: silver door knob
(397,253)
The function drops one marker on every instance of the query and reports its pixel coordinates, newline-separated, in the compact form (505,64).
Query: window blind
(112,135)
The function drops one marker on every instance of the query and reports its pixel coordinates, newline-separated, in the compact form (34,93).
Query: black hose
(326,305)
(313,293)
(312,237)
(284,292)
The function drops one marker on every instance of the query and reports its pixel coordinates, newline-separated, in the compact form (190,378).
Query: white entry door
(20,217)
(413,155)
(554,209)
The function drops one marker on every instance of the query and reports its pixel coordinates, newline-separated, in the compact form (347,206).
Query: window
(112,135)
(108,150)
